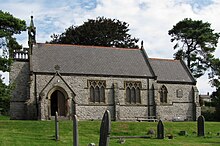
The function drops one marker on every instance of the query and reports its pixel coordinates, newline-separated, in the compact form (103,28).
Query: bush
(209,116)
(5,93)
(210,104)
(217,114)
(4,106)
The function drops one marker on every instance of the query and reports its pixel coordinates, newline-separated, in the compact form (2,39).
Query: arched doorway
(58,103)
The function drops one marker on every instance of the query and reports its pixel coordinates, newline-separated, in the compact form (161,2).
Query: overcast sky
(149,20)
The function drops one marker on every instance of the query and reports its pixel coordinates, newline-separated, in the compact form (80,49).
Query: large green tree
(9,25)
(214,76)
(99,32)
(196,42)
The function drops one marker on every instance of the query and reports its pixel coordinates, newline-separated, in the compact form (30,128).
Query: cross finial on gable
(57,67)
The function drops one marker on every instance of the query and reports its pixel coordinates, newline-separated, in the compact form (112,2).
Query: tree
(5,92)
(216,100)
(9,26)
(196,42)
(99,32)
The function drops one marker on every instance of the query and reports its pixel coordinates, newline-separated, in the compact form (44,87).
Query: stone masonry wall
(81,94)
(182,111)
(19,75)
(182,107)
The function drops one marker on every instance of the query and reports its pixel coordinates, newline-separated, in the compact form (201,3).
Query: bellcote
(31,35)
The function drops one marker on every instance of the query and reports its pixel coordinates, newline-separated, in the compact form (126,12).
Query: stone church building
(87,80)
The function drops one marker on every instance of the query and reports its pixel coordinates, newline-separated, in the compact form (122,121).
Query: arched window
(97,91)
(102,94)
(163,94)
(133,96)
(97,94)
(138,95)
(92,94)
(133,93)
(128,95)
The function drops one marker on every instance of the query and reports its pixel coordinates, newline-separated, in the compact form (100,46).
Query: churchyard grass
(42,133)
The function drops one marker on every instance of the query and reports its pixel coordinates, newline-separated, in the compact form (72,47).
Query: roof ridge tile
(89,46)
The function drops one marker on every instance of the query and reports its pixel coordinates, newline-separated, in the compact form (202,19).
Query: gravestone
(56,127)
(183,133)
(201,126)
(105,129)
(160,130)
(75,131)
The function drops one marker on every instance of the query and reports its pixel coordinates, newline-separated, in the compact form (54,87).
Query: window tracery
(133,92)
(97,91)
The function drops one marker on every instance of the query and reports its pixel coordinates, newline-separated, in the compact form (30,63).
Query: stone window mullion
(97,91)
(133,92)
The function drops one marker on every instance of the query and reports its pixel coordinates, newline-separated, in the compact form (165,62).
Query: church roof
(90,60)
(168,70)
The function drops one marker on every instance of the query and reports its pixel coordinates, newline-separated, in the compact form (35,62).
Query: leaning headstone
(75,131)
(56,127)
(160,130)
(201,126)
(105,129)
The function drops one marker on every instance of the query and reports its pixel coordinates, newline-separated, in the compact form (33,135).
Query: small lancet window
(163,94)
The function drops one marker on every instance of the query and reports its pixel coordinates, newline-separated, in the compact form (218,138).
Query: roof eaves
(176,82)
(163,59)
(98,75)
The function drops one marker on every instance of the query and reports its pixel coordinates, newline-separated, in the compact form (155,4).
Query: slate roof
(90,60)
(168,70)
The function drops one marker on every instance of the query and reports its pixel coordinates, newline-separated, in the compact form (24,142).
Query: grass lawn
(41,133)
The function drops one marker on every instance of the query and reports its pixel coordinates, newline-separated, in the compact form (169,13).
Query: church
(87,80)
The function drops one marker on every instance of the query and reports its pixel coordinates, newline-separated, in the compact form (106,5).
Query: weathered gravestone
(160,130)
(183,133)
(75,131)
(56,127)
(201,126)
(105,129)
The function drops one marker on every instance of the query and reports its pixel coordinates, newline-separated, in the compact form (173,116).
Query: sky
(149,20)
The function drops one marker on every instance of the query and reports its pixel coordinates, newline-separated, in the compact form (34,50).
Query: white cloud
(149,20)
